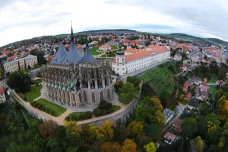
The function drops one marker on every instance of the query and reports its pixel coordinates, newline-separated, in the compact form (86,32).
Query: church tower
(120,57)
(72,34)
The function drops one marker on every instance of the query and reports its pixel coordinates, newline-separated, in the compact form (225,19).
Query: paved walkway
(60,120)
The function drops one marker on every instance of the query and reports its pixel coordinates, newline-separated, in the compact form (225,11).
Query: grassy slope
(160,79)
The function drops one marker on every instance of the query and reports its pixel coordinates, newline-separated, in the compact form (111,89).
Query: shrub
(73,117)
(97,112)
(82,117)
(39,106)
(104,105)
(88,114)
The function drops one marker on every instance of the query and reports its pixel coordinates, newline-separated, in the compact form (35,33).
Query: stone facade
(13,66)
(77,84)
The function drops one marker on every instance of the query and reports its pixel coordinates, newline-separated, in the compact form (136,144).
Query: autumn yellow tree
(107,129)
(196,145)
(110,147)
(156,103)
(151,147)
(129,146)
(72,128)
(104,132)
(135,128)
(222,108)
(211,128)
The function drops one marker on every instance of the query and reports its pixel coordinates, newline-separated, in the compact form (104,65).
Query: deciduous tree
(151,147)
(189,126)
(222,108)
(110,147)
(48,129)
(196,145)
(135,128)
(129,146)
(72,128)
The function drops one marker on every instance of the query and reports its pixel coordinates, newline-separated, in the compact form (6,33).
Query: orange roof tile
(141,53)
(105,46)
(50,57)
(1,90)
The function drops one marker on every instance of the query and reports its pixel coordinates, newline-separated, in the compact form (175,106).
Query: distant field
(33,93)
(160,79)
(114,47)
(94,51)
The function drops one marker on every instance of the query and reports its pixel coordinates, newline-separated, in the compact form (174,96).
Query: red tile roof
(141,53)
(186,85)
(170,136)
(204,88)
(12,57)
(105,46)
(188,96)
(177,124)
(1,90)
(50,57)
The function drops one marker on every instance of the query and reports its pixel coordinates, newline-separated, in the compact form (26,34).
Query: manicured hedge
(78,116)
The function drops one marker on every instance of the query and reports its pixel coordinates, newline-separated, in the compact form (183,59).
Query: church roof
(88,58)
(60,55)
(73,56)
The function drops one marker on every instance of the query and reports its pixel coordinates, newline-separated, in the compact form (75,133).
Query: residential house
(170,138)
(186,86)
(184,67)
(168,114)
(188,96)
(112,43)
(177,124)
(2,95)
(105,48)
(194,104)
(204,90)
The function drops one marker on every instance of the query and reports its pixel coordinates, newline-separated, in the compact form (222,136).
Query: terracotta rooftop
(1,90)
(105,46)
(141,53)
(170,136)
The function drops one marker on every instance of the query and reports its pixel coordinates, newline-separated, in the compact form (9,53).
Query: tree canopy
(19,81)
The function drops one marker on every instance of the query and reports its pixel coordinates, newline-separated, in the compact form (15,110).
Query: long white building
(137,59)
(25,62)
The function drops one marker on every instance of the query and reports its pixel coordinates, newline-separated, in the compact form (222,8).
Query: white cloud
(22,19)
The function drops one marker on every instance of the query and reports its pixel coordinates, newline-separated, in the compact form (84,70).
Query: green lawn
(94,51)
(213,90)
(114,47)
(33,93)
(51,108)
(115,108)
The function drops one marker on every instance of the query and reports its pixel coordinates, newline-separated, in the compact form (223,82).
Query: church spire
(72,34)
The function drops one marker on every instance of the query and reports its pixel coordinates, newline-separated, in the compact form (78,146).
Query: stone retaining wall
(118,117)
(32,111)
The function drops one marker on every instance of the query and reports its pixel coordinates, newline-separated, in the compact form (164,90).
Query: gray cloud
(209,16)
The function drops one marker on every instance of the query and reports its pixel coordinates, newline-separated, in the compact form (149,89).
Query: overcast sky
(22,19)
